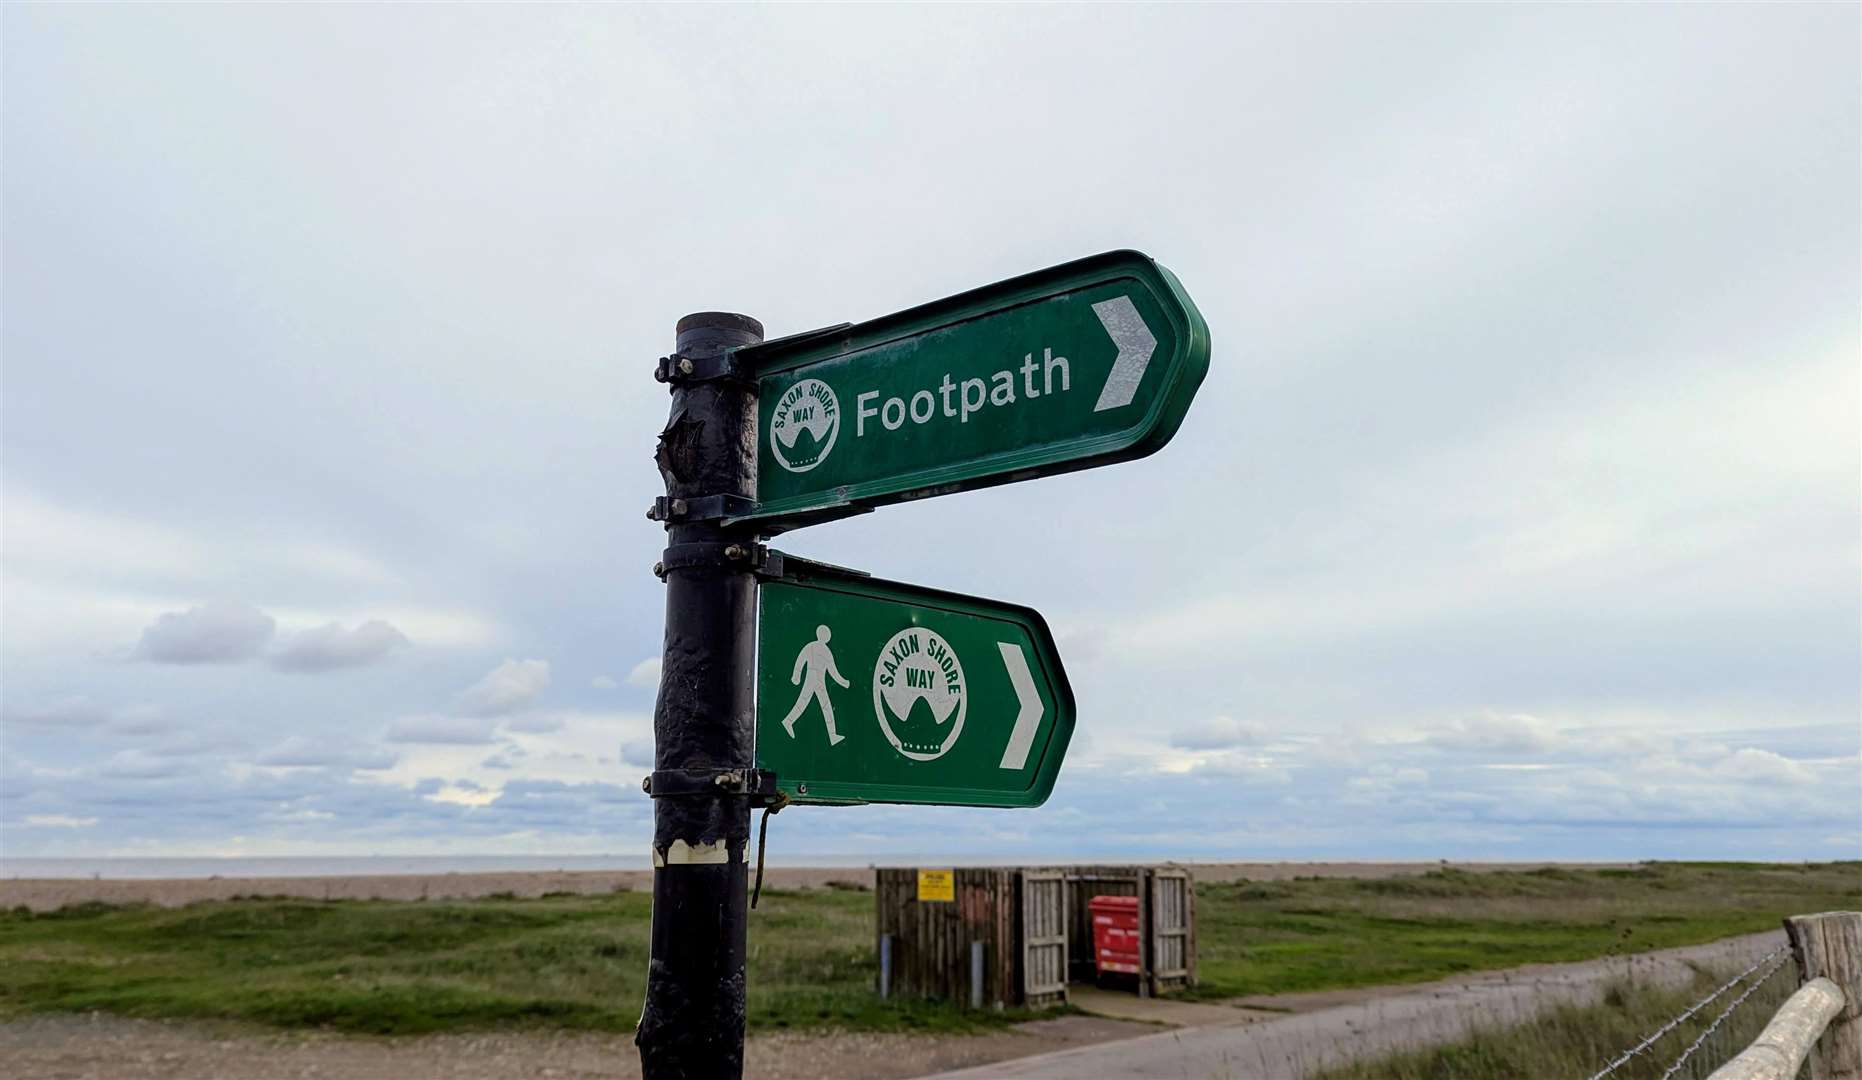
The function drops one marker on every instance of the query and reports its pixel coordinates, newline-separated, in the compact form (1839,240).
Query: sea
(307,865)
(361,865)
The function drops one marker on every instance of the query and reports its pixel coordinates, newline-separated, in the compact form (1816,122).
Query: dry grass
(1577,1040)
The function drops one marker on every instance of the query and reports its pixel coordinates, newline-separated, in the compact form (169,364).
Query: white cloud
(432,627)
(534,724)
(141,720)
(78,577)
(44,539)
(582,749)
(49,540)
(509,687)
(638,752)
(1497,734)
(1216,733)
(63,621)
(1649,494)
(328,647)
(59,821)
(1753,766)
(70,712)
(465,794)
(645,673)
(332,562)
(215,633)
(1244,768)
(446,627)
(299,752)
(602,682)
(459,730)
(143,765)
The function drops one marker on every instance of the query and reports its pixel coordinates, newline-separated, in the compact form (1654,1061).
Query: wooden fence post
(1830,945)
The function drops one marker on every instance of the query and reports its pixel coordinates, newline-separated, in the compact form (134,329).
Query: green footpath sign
(1083,364)
(876,691)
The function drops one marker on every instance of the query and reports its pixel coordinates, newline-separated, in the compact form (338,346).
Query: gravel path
(101,1047)
(1323,1031)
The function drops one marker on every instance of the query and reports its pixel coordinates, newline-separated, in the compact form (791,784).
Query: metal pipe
(976,974)
(885,966)
(692,1024)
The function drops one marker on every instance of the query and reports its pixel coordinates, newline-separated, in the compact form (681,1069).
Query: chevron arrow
(1015,755)
(1135,344)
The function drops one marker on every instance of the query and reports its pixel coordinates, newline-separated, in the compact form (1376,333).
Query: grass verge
(1334,933)
(576,962)
(1576,1041)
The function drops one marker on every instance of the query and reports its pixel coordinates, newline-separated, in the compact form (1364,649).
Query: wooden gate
(1173,944)
(1044,936)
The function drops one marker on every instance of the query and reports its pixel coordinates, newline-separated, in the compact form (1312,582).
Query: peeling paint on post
(693,1021)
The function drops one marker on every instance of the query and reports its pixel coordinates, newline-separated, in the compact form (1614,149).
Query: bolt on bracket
(677,369)
(702,508)
(732,556)
(758,784)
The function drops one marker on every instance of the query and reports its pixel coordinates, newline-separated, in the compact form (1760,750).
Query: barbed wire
(1724,1013)
(1623,1058)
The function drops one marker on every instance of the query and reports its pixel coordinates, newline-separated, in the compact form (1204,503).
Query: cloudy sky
(1518,516)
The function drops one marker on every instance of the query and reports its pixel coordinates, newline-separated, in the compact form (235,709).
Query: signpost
(876,691)
(1084,364)
(783,679)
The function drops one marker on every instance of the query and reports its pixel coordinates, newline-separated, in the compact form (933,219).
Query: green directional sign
(1079,365)
(876,691)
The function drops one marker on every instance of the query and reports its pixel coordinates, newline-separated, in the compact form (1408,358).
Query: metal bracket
(781,523)
(775,565)
(758,784)
(766,563)
(769,564)
(734,555)
(702,508)
(687,369)
(736,364)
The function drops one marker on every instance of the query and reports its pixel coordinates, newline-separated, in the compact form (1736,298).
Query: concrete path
(1290,1047)
(1161,1011)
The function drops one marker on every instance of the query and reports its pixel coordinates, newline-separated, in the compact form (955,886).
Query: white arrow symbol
(1016,754)
(1135,345)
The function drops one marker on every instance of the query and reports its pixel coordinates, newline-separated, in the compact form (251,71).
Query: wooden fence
(1823,1020)
(931,941)
(1035,929)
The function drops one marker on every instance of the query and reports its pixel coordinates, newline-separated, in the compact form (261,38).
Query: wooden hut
(1034,928)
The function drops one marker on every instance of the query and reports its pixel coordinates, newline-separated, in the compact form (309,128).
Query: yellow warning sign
(937,885)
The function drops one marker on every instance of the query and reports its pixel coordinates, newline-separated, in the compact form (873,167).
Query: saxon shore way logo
(919,693)
(803,427)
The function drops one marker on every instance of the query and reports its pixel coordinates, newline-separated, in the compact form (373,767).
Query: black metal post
(693,1022)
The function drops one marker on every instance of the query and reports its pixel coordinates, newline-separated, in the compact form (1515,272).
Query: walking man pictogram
(818,663)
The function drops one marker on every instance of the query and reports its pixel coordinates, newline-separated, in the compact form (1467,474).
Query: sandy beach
(49,894)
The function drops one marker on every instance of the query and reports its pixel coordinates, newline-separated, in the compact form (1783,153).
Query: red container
(1115,933)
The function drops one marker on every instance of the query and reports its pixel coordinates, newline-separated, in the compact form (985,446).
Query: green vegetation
(407,968)
(1573,1040)
(580,961)
(1322,934)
